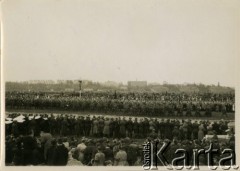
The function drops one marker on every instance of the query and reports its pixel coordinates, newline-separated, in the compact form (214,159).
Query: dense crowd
(138,104)
(58,139)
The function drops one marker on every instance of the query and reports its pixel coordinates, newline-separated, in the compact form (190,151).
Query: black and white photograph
(141,84)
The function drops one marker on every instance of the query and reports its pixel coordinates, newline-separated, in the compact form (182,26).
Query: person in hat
(95,127)
(161,128)
(81,126)
(201,130)
(99,158)
(17,152)
(88,125)
(129,127)
(121,157)
(116,128)
(89,152)
(215,127)
(61,157)
(64,127)
(51,153)
(195,130)
(122,124)
(72,159)
(100,127)
(146,127)
(111,127)
(132,153)
(176,133)
(215,137)
(15,129)
(141,128)
(151,125)
(156,126)
(135,128)
(106,130)
(8,149)
(185,130)
(29,144)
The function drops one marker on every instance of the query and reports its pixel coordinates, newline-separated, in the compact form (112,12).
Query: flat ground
(215,115)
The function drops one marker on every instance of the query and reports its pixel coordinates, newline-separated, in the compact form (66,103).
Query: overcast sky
(121,40)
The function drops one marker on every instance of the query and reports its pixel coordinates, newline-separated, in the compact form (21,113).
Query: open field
(215,115)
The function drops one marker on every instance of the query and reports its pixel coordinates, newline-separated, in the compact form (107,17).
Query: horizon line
(122,82)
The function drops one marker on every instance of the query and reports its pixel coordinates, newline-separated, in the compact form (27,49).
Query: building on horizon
(137,84)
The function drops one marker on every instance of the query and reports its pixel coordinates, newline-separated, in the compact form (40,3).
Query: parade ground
(215,115)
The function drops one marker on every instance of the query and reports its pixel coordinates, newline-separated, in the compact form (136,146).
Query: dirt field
(215,115)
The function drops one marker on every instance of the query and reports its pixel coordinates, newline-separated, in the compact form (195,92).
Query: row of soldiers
(45,149)
(114,127)
(223,97)
(128,107)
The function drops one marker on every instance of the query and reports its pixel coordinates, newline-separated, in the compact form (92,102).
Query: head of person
(59,141)
(54,142)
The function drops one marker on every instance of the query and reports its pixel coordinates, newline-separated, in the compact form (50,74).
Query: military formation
(107,126)
(137,104)
(114,139)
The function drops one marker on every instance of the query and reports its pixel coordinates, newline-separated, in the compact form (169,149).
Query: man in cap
(61,157)
(15,129)
(111,127)
(29,146)
(145,127)
(106,129)
(64,127)
(99,158)
(132,153)
(122,130)
(51,153)
(100,126)
(88,125)
(135,128)
(89,152)
(141,128)
(129,127)
(195,130)
(116,128)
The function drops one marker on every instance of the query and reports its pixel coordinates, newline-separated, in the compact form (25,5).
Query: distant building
(110,84)
(137,84)
(41,82)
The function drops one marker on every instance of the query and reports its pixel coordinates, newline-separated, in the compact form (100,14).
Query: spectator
(61,157)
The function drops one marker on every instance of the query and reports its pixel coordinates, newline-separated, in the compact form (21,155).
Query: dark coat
(29,145)
(61,157)
(51,154)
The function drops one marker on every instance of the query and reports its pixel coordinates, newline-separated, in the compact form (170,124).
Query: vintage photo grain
(131,84)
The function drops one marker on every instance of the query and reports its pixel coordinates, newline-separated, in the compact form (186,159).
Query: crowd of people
(59,139)
(138,104)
